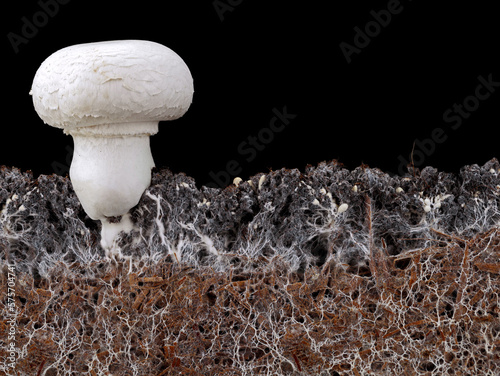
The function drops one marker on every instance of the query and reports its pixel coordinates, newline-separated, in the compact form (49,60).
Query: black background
(253,56)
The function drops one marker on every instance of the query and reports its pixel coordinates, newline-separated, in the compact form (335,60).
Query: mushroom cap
(114,82)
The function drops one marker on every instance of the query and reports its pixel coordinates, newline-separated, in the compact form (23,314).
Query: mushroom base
(110,174)
(109,232)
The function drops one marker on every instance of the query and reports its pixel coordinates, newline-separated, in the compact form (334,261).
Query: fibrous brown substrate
(433,311)
(326,272)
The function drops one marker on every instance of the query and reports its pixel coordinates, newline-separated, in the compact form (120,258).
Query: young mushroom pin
(110,97)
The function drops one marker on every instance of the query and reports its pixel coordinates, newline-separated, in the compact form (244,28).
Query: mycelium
(110,97)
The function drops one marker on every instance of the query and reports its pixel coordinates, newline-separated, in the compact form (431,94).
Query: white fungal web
(330,278)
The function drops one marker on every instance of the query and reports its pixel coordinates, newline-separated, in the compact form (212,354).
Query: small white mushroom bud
(110,97)
(261,181)
(342,208)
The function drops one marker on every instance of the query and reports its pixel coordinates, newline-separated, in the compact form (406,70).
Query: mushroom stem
(111,167)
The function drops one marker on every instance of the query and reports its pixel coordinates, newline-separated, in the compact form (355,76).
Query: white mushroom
(110,97)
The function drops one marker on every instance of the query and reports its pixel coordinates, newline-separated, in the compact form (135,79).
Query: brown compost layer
(274,277)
